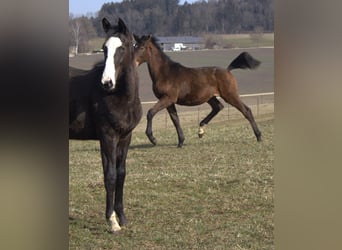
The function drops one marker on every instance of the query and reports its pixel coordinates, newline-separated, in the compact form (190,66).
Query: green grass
(244,40)
(215,193)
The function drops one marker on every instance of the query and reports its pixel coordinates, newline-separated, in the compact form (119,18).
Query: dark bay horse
(104,105)
(175,84)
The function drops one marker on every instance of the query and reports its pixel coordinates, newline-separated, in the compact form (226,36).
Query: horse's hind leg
(216,106)
(236,102)
(174,117)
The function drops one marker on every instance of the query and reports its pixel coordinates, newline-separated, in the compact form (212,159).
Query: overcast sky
(82,7)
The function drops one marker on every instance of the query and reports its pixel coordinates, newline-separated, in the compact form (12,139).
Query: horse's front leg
(122,150)
(163,102)
(108,155)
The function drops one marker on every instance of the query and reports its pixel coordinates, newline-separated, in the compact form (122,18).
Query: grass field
(215,193)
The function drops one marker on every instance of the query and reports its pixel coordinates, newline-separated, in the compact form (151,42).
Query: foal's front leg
(163,102)
(108,154)
(175,119)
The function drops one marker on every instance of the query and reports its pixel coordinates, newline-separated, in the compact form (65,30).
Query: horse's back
(82,83)
(74,72)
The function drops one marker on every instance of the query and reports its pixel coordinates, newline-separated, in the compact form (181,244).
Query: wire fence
(261,104)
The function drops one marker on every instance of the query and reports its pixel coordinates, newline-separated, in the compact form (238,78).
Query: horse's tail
(244,61)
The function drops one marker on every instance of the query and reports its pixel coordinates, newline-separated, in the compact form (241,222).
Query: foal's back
(194,86)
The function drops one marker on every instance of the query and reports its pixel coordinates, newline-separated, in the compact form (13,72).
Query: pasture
(215,193)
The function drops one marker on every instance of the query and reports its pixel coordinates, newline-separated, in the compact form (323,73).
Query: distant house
(190,42)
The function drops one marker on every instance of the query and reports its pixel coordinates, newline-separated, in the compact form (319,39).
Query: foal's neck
(157,62)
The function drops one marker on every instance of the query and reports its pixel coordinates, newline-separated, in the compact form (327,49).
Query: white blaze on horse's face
(108,76)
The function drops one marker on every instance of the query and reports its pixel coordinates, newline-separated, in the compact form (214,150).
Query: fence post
(257,105)
(259,96)
(228,110)
(165,119)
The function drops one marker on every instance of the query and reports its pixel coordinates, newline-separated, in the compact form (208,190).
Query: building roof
(179,39)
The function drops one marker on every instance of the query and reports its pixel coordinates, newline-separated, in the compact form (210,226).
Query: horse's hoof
(123,221)
(200,135)
(153,140)
(115,232)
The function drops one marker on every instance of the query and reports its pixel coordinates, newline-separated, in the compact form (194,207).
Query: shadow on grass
(145,146)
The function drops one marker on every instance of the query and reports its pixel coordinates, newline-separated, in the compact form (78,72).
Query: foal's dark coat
(108,116)
(175,84)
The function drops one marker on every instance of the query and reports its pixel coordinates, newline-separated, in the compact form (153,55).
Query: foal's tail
(244,61)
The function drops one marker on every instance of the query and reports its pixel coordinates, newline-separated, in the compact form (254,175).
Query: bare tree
(257,35)
(75,28)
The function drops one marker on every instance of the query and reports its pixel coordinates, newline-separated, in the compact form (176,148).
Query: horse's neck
(132,82)
(157,63)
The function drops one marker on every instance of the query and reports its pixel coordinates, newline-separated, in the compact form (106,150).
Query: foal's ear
(122,26)
(105,24)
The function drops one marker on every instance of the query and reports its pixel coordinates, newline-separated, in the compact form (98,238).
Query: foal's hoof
(153,141)
(258,136)
(200,132)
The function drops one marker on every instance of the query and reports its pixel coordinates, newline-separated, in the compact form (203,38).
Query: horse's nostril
(108,84)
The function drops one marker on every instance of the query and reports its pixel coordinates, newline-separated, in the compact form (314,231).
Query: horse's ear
(122,26)
(149,37)
(136,38)
(105,24)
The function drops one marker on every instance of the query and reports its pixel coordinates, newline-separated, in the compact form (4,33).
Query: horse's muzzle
(108,85)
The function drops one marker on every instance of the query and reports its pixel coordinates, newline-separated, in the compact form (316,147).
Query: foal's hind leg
(246,111)
(174,117)
(216,106)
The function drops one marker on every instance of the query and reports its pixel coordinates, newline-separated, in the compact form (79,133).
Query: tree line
(169,18)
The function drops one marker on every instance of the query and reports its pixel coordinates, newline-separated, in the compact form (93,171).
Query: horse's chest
(118,116)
